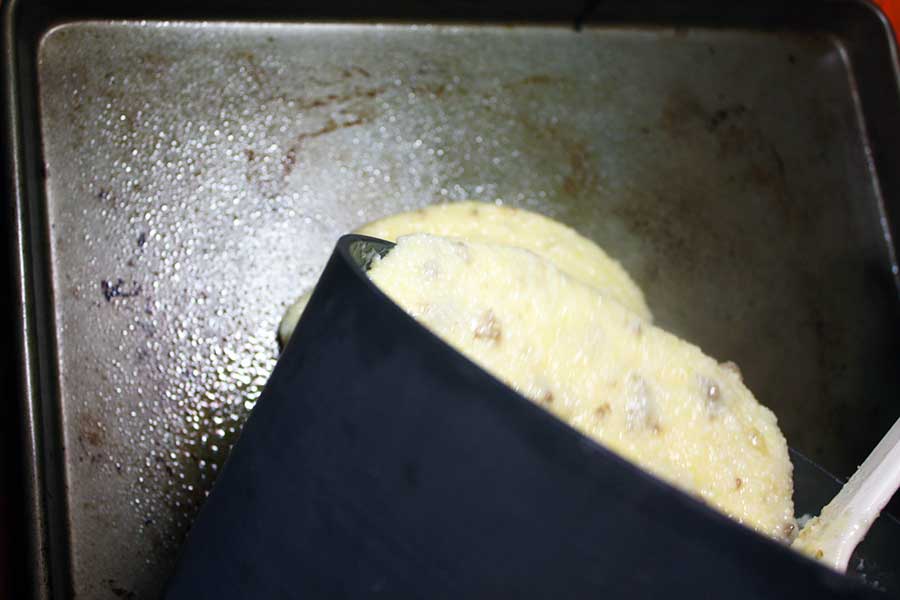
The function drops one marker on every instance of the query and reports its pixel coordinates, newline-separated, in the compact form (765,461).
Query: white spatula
(832,536)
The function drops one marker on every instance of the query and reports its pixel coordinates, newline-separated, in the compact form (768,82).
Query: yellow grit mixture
(605,369)
(551,314)
(569,251)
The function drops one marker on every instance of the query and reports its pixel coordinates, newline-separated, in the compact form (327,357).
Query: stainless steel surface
(199,174)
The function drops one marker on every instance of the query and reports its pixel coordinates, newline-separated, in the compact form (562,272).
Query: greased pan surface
(179,182)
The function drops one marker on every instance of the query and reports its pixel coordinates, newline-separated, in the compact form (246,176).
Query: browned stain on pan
(581,175)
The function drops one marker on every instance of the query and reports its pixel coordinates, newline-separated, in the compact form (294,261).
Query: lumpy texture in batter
(569,251)
(584,353)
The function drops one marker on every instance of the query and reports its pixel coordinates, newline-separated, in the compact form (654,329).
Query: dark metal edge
(45,525)
(851,22)
(34,525)
(869,47)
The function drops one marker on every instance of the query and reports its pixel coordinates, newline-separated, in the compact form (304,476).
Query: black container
(380,462)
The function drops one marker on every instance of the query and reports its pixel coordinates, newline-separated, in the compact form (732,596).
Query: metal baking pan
(179,173)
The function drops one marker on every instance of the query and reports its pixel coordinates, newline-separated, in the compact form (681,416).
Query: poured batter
(572,253)
(577,350)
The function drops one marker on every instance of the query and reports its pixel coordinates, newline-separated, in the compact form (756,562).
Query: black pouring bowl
(381,462)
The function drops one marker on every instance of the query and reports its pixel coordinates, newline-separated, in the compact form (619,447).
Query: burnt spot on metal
(334,98)
(546,397)
(288,161)
(161,461)
(104,194)
(670,216)
(353,71)
(330,126)
(344,110)
(249,65)
(155,64)
(602,411)
(722,115)
(581,176)
(534,80)
(89,431)
(741,138)
(91,438)
(680,110)
(119,591)
(436,91)
(118,289)
(738,483)
(662,224)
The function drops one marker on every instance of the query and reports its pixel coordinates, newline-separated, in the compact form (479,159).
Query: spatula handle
(834,534)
